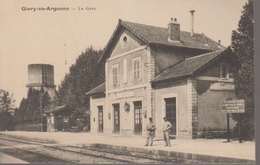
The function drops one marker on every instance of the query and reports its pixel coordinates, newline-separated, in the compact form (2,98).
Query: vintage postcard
(120,81)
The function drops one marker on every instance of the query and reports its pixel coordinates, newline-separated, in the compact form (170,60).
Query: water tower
(42,76)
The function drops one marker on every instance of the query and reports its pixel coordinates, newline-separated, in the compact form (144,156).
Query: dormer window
(224,71)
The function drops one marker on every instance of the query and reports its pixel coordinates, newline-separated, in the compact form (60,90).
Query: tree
(19,114)
(84,75)
(243,47)
(29,112)
(6,103)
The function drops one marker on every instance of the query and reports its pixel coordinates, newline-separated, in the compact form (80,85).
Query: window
(65,119)
(115,70)
(136,65)
(49,119)
(125,70)
(224,71)
(52,119)
(124,41)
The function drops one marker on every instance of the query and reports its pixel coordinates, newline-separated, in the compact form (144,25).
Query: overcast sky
(28,37)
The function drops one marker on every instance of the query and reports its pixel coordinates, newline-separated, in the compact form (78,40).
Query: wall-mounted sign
(222,86)
(233,106)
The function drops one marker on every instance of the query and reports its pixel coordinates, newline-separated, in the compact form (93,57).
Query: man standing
(150,132)
(166,130)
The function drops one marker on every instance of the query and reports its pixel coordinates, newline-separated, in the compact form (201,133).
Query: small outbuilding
(58,119)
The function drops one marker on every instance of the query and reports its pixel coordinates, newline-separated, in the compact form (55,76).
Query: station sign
(233,106)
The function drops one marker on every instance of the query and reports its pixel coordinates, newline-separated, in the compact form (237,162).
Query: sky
(29,36)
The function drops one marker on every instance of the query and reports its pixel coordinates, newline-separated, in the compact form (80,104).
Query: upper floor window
(136,65)
(224,70)
(115,70)
(125,71)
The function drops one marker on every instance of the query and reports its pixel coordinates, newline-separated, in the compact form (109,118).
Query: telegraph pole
(41,99)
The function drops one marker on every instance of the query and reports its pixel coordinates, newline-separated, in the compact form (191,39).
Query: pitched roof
(159,35)
(101,89)
(55,109)
(189,66)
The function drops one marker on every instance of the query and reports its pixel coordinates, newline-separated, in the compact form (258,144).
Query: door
(138,117)
(170,107)
(116,118)
(59,123)
(100,119)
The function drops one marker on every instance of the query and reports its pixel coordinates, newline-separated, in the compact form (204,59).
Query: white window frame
(125,70)
(65,119)
(52,119)
(227,70)
(136,71)
(115,81)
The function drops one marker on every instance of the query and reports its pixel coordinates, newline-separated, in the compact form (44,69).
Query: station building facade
(161,72)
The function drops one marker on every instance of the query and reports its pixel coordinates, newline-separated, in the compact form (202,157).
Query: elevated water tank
(40,75)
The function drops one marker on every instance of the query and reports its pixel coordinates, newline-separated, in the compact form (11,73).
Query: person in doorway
(150,132)
(166,130)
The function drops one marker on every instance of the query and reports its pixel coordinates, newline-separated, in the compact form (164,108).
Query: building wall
(128,90)
(133,42)
(94,103)
(169,90)
(167,57)
(127,70)
(209,109)
(212,91)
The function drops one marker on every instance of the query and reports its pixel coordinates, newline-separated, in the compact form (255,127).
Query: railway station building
(161,72)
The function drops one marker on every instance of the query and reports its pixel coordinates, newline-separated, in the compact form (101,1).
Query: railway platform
(206,149)
(6,159)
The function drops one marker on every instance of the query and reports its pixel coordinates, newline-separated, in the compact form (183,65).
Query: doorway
(100,119)
(138,117)
(116,118)
(170,113)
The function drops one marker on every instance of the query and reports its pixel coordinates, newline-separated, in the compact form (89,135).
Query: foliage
(6,121)
(243,47)
(6,101)
(84,75)
(29,112)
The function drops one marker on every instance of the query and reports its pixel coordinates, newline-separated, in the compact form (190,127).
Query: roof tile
(101,89)
(159,35)
(188,66)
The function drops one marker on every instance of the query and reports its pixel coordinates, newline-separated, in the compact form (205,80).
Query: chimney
(192,22)
(219,42)
(173,31)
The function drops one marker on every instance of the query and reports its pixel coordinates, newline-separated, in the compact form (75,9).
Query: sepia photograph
(127,82)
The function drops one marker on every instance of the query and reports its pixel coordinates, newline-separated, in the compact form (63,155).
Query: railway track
(36,151)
